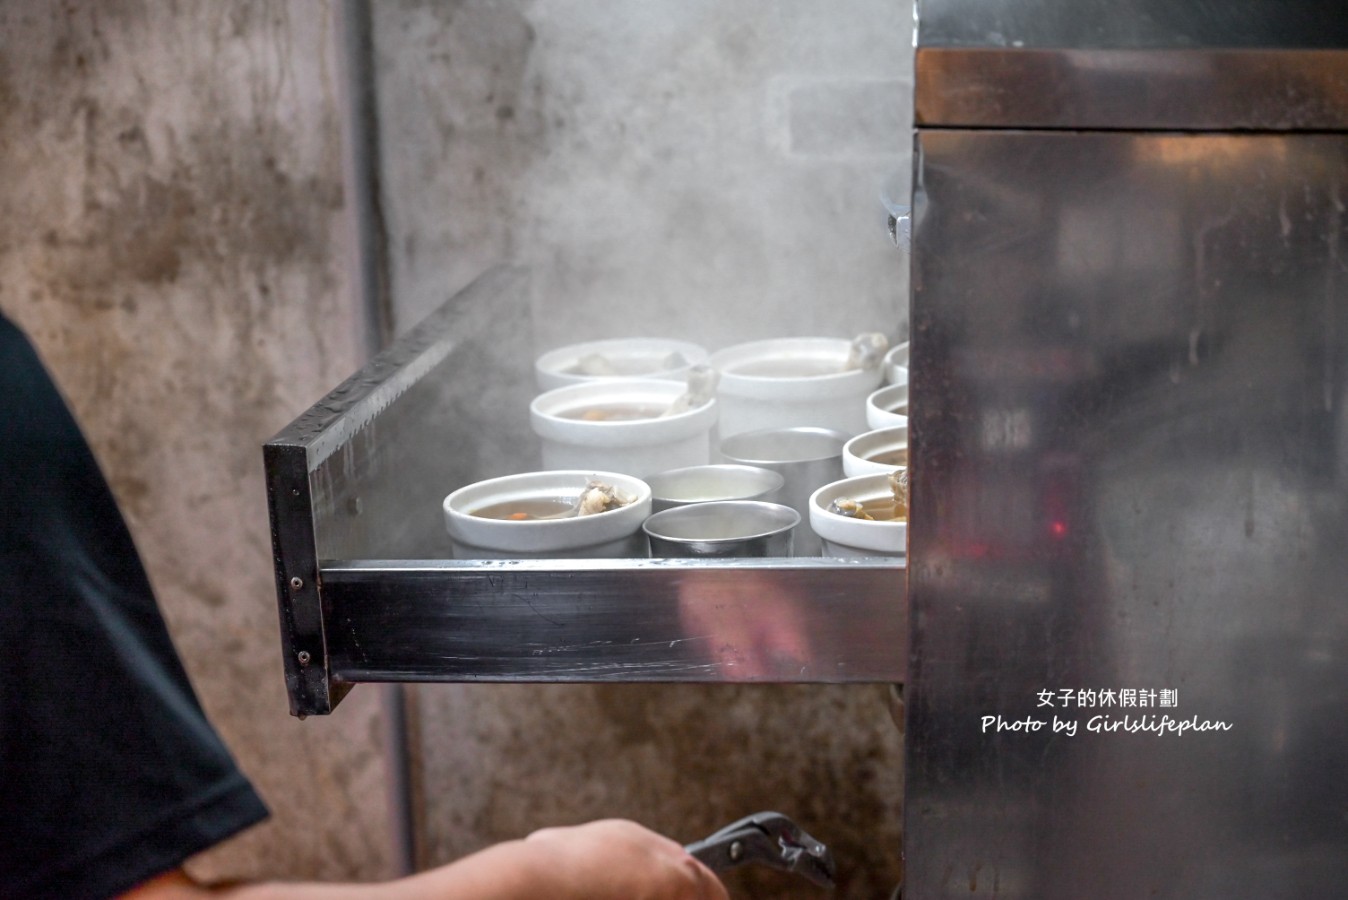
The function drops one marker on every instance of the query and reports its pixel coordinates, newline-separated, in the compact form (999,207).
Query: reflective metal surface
(1138,24)
(1134,64)
(348,478)
(611,620)
(1194,89)
(1130,502)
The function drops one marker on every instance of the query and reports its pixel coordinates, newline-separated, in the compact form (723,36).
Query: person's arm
(611,859)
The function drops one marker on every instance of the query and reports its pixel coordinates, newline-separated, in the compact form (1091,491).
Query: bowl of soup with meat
(638,427)
(564,513)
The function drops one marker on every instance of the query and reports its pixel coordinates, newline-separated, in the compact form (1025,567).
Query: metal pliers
(771,839)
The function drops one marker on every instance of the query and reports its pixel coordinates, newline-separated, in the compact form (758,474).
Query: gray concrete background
(172,225)
(688,168)
(175,237)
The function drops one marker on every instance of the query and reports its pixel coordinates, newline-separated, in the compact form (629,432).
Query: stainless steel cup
(725,528)
(807,458)
(706,484)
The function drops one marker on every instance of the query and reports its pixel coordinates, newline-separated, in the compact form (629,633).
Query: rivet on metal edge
(303,657)
(296,583)
(736,851)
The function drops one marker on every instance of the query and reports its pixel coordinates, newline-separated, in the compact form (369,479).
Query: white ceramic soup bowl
(888,406)
(572,439)
(615,534)
(621,358)
(896,364)
(791,382)
(875,451)
(846,537)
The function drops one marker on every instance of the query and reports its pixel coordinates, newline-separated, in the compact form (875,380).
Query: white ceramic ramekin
(888,406)
(861,454)
(637,447)
(847,537)
(625,358)
(615,534)
(824,394)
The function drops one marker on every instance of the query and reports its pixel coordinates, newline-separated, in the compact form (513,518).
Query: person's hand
(614,858)
(611,859)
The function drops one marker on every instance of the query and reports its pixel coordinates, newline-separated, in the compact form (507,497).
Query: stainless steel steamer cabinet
(1127,670)
(1130,451)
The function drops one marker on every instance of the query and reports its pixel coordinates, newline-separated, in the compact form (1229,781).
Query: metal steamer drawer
(368,590)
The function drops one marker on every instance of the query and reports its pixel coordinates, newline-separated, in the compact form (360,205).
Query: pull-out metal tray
(368,592)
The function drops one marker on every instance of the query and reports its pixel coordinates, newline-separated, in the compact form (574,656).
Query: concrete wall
(691,168)
(694,168)
(172,225)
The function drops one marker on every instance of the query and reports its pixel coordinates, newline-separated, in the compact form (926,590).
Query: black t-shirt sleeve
(109,771)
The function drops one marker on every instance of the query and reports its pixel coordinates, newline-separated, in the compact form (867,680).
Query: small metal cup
(721,529)
(807,458)
(707,484)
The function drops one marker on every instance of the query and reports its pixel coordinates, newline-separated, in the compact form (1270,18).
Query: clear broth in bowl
(885,510)
(612,412)
(525,510)
(789,368)
(891,457)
